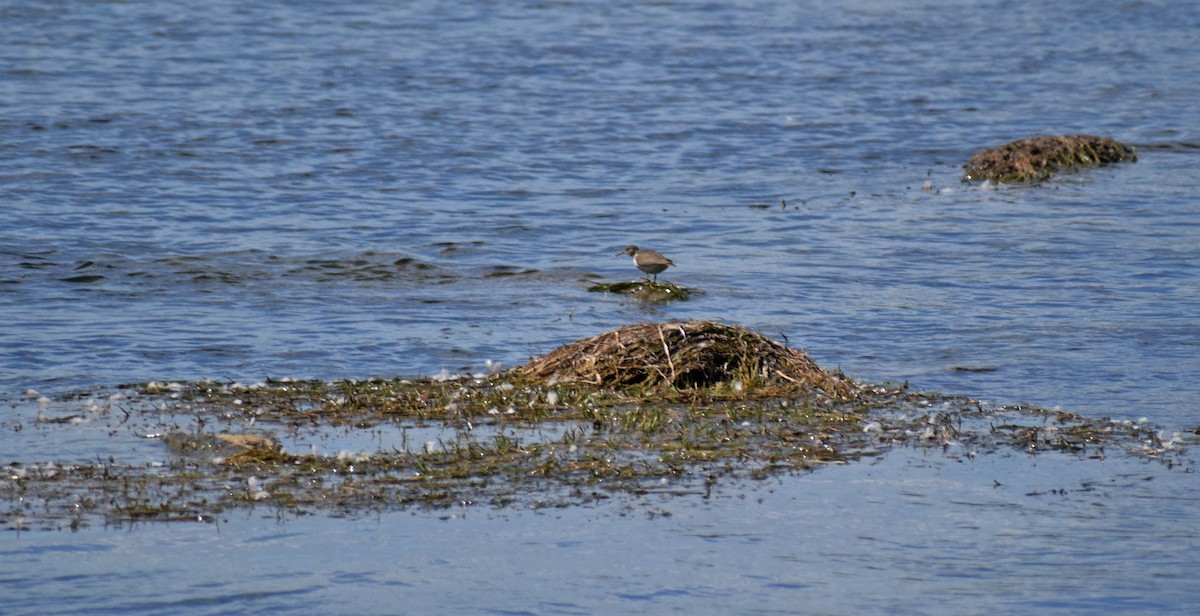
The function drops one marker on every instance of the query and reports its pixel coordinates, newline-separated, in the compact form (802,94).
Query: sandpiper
(649,261)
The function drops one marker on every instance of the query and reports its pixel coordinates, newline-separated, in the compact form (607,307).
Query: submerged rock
(226,447)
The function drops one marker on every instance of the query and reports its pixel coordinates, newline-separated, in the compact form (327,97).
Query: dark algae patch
(645,290)
(1038,158)
(673,409)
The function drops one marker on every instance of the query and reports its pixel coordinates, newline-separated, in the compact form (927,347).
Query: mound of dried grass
(1038,158)
(682,355)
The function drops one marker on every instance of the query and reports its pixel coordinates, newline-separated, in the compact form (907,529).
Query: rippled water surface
(235,191)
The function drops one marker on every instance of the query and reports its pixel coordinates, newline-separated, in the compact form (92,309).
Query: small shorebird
(649,261)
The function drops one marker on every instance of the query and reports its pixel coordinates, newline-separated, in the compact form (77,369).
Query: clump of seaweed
(688,355)
(1038,158)
(645,290)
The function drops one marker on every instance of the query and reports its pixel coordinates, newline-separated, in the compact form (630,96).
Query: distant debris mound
(1038,158)
(688,354)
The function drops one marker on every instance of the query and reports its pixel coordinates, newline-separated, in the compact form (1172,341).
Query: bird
(649,261)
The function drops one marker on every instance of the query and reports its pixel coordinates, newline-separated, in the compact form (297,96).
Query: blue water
(236,191)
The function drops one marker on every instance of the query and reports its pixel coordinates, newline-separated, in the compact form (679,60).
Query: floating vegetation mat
(1038,158)
(530,438)
(645,290)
